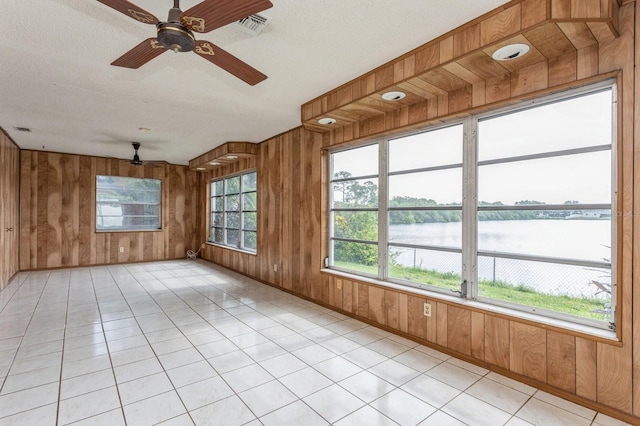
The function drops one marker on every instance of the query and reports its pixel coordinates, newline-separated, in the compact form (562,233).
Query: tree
(353,224)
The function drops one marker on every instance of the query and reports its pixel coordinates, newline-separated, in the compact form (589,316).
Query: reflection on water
(569,239)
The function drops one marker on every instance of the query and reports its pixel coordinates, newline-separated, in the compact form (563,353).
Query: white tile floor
(183,342)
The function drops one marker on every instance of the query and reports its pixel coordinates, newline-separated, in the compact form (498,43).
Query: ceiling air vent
(253,24)
(22,129)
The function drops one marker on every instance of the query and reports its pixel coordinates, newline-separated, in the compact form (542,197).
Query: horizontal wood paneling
(58,222)
(9,208)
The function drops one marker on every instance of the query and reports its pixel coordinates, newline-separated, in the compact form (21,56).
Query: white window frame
(470,253)
(242,211)
(101,204)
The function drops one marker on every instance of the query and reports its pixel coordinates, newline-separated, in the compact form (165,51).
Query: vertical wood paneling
(442,323)
(347,296)
(377,311)
(25,217)
(500,25)
(477,335)
(59,220)
(416,322)
(459,329)
(534,12)
(391,309)
(496,341)
(635,261)
(530,79)
(403,312)
(561,361)
(586,368)
(10,230)
(614,377)
(527,351)
(363,300)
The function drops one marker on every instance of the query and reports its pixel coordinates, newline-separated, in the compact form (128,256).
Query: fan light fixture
(173,35)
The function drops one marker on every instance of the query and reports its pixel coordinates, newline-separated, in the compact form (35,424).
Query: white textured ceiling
(55,76)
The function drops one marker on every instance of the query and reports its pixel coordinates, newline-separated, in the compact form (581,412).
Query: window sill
(592,333)
(253,253)
(116,231)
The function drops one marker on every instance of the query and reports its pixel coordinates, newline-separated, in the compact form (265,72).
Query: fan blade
(141,54)
(228,62)
(131,10)
(212,14)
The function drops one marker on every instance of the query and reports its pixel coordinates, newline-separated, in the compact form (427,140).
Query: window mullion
(383,214)
(469,207)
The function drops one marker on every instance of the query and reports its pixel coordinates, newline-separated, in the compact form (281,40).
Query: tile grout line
(64,338)
(147,339)
(25,333)
(113,372)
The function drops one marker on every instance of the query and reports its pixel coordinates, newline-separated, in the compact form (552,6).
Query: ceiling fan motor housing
(175,36)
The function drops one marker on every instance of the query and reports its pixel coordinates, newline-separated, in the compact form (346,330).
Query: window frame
(97,215)
(470,170)
(242,210)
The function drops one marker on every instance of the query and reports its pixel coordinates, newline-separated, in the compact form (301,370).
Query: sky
(576,123)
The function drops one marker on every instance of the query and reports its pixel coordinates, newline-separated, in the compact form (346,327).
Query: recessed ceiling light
(393,96)
(326,121)
(201,168)
(144,129)
(214,163)
(510,52)
(232,157)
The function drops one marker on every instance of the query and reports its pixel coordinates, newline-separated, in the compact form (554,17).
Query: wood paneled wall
(9,208)
(289,214)
(292,240)
(58,213)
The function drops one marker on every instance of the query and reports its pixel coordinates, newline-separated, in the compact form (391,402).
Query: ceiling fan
(136,161)
(177,33)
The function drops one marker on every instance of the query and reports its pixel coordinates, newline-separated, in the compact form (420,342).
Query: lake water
(569,239)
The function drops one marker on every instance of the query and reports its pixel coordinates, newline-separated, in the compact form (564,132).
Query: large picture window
(234,211)
(127,203)
(512,208)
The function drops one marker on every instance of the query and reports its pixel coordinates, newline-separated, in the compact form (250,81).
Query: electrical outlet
(427,309)
(339,284)
(121,249)
(275,267)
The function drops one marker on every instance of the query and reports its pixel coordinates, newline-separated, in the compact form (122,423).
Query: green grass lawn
(499,290)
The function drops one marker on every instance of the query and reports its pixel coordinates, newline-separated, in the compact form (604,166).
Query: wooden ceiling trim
(482,65)
(563,69)
(550,40)
(427,58)
(466,41)
(458,69)
(409,87)
(443,79)
(241,150)
(503,24)
(534,12)
(561,9)
(578,34)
